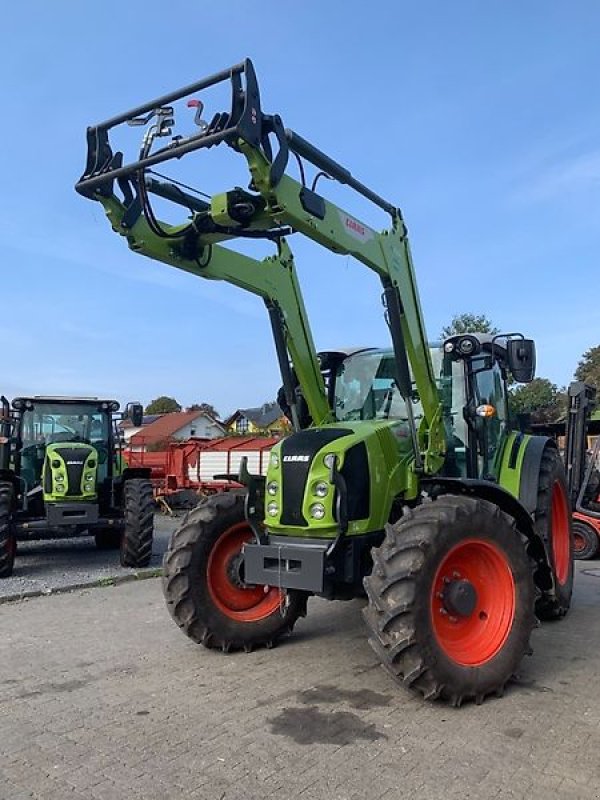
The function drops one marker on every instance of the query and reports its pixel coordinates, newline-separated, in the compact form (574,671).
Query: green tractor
(62,474)
(403,479)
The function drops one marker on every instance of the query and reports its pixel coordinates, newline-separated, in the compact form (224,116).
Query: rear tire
(426,559)
(586,541)
(554,525)
(136,540)
(203,582)
(8,539)
(107,539)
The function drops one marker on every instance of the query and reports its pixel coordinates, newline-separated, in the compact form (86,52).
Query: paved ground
(102,697)
(47,566)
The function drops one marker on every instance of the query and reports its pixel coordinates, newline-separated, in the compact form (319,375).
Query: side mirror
(135,413)
(521,359)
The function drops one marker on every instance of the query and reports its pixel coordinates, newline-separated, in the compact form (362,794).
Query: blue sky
(481,120)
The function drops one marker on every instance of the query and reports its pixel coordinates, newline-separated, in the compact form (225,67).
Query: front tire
(451,599)
(203,582)
(8,539)
(553,524)
(136,540)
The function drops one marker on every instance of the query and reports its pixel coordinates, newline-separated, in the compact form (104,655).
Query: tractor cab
(62,446)
(470,372)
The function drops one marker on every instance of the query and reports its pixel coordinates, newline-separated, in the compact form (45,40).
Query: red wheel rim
(243,604)
(561,533)
(474,639)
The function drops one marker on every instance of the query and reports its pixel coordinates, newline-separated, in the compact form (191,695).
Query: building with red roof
(177,426)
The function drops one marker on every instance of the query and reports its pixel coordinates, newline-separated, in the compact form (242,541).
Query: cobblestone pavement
(101,697)
(48,566)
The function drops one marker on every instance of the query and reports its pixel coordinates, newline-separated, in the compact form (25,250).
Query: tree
(588,369)
(162,405)
(469,323)
(207,408)
(541,398)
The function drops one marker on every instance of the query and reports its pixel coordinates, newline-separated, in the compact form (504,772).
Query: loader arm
(276,204)
(273,279)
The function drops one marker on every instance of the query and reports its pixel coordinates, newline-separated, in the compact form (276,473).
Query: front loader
(62,474)
(402,479)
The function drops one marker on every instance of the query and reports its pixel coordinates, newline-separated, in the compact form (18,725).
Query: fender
(494,493)
(520,466)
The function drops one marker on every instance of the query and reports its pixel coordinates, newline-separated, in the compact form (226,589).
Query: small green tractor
(62,474)
(403,479)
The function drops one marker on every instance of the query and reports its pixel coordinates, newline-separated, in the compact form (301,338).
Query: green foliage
(588,369)
(469,323)
(207,408)
(162,405)
(541,398)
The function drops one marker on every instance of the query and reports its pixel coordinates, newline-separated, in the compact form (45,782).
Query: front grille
(295,473)
(74,470)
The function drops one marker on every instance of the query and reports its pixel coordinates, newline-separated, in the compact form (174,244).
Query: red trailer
(192,465)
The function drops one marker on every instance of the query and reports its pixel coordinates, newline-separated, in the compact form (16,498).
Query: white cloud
(573,175)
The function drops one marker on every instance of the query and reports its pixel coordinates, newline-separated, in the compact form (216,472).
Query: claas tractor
(403,480)
(62,474)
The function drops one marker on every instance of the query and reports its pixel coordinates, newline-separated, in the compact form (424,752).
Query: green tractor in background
(62,474)
(403,479)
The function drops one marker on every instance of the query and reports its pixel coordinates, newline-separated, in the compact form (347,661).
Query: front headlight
(89,487)
(317,511)
(59,478)
(272,487)
(89,477)
(272,509)
(274,460)
(321,489)
(329,460)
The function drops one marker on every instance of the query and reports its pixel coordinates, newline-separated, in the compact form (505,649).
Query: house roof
(262,416)
(147,419)
(167,425)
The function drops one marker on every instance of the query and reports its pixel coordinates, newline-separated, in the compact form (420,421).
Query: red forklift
(583,469)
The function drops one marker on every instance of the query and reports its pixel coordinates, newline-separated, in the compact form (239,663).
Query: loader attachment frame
(276,205)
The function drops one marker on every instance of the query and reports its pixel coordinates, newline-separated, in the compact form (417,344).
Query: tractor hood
(322,476)
(70,472)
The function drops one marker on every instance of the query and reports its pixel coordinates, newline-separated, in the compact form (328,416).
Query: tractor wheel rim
(240,603)
(561,533)
(474,638)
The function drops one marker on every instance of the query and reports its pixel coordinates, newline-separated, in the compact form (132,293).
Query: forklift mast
(582,402)
(276,206)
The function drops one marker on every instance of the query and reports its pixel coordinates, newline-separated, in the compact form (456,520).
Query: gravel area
(103,698)
(43,567)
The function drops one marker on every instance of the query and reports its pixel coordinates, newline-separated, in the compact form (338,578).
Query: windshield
(365,388)
(47,423)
